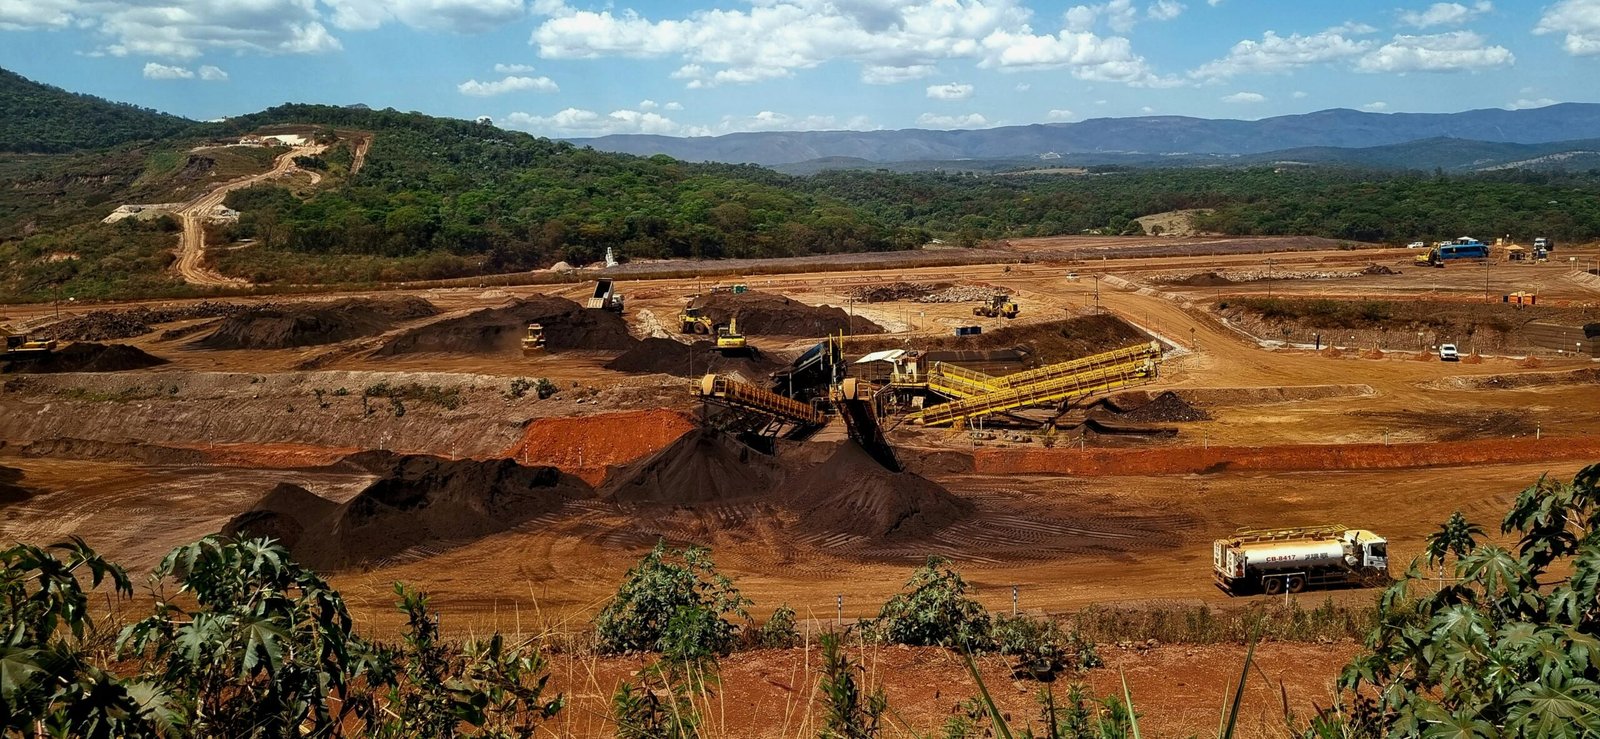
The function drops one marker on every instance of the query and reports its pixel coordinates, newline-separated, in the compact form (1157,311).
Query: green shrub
(672,602)
(847,714)
(779,632)
(1042,648)
(935,610)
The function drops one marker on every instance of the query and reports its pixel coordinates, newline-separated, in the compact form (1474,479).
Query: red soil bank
(587,446)
(1288,458)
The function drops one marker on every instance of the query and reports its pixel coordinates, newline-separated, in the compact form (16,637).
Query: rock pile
(894,291)
(106,325)
(960,294)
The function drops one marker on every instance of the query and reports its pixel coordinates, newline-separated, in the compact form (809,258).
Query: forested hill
(44,119)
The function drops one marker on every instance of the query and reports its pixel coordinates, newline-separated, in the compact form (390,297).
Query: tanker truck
(1274,561)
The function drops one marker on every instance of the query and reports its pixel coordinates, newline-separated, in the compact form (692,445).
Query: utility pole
(1097,293)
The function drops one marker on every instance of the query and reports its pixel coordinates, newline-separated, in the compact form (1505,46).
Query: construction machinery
(862,406)
(762,411)
(1292,560)
(729,341)
(533,342)
(25,346)
(605,296)
(999,306)
(975,395)
(693,320)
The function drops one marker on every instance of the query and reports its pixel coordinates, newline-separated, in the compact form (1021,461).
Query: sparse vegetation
(934,609)
(673,602)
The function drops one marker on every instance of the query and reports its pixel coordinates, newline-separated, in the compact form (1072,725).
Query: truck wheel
(1272,586)
(1297,584)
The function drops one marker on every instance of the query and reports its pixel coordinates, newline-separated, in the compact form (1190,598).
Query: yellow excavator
(24,346)
(729,341)
(533,343)
(1000,306)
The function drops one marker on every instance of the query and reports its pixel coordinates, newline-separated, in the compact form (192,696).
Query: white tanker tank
(1274,561)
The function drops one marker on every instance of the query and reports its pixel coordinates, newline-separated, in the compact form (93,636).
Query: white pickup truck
(1448,353)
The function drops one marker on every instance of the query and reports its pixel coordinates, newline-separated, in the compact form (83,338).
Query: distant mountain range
(1174,139)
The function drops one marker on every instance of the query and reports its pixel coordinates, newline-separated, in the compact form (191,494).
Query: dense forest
(43,119)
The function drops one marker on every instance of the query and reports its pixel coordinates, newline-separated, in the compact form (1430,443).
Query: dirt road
(192,248)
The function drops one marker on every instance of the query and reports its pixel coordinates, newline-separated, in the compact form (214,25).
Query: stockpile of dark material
(567,326)
(107,325)
(1044,343)
(851,493)
(1202,279)
(765,314)
(416,500)
(667,356)
(85,357)
(11,489)
(1165,408)
(1378,269)
(895,291)
(703,466)
(283,326)
(285,514)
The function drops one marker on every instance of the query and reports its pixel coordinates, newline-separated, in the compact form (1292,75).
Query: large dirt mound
(1046,343)
(86,357)
(851,493)
(666,356)
(285,514)
(11,489)
(765,314)
(1165,408)
(313,324)
(567,325)
(591,446)
(417,500)
(703,466)
(105,325)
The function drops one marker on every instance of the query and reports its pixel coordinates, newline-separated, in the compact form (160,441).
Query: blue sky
(706,67)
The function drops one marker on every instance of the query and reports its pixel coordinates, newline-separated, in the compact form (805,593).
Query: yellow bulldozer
(693,321)
(533,343)
(999,306)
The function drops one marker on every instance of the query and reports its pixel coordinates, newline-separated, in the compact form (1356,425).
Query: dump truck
(1000,306)
(729,341)
(1276,561)
(605,296)
(533,343)
(25,346)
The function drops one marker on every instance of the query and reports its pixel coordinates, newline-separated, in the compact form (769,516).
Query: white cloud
(1299,95)
(673,106)
(1059,115)
(513,68)
(1579,20)
(950,91)
(454,16)
(1164,10)
(1213,3)
(213,74)
(1118,15)
(579,122)
(767,120)
(1244,97)
(153,71)
(1274,53)
(1024,87)
(509,84)
(1147,110)
(889,75)
(1445,14)
(1442,52)
(1376,106)
(647,105)
(934,120)
(892,40)
(1354,28)
(1524,103)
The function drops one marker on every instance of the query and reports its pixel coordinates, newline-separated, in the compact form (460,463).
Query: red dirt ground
(587,446)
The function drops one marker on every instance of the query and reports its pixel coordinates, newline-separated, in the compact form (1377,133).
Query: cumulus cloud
(935,120)
(213,74)
(579,122)
(1375,106)
(1525,103)
(1165,10)
(1024,87)
(1441,52)
(1059,114)
(153,71)
(178,29)
(950,91)
(1276,54)
(1444,14)
(892,40)
(513,68)
(1244,97)
(1299,95)
(508,84)
(1579,20)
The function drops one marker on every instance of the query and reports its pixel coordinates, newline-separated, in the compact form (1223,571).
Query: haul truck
(1274,561)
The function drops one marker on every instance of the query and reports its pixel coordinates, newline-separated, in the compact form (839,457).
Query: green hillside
(43,119)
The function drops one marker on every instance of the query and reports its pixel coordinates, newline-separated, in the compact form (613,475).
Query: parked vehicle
(1275,561)
(1447,353)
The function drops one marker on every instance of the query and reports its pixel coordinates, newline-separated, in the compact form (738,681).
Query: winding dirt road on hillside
(192,248)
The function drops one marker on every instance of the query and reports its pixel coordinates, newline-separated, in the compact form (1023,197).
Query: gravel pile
(894,291)
(961,294)
(106,325)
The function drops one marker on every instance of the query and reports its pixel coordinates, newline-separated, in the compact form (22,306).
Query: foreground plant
(672,601)
(1505,649)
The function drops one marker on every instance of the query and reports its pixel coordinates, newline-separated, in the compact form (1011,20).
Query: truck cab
(1371,549)
(1448,353)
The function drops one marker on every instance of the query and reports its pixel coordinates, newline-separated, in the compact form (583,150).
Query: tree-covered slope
(41,118)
